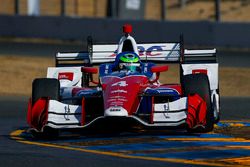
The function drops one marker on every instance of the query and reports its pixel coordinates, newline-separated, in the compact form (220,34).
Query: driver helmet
(129,61)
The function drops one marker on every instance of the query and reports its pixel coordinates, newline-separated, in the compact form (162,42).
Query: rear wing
(106,53)
(157,52)
(72,59)
(200,56)
(154,52)
(95,54)
(151,52)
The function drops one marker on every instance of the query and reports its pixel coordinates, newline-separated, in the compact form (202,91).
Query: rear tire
(199,84)
(45,87)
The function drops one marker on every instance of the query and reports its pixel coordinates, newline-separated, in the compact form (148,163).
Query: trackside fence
(223,34)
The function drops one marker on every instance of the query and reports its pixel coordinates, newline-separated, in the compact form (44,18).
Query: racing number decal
(120,83)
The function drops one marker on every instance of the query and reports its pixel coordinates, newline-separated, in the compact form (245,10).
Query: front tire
(199,84)
(45,87)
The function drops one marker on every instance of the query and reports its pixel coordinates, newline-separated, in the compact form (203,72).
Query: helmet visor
(129,66)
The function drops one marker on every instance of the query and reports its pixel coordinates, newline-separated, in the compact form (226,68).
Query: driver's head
(129,61)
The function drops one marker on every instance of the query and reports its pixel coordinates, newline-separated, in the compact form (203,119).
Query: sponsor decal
(165,91)
(115,109)
(116,103)
(121,83)
(151,51)
(66,75)
(119,91)
(198,71)
(117,97)
(67,111)
(166,107)
(110,100)
(85,92)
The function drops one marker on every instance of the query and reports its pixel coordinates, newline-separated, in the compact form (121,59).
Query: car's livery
(71,98)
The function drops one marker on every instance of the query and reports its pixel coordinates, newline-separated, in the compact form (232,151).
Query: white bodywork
(61,115)
(212,70)
(173,111)
(65,81)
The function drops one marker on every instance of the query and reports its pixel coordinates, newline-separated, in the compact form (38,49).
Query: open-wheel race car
(127,87)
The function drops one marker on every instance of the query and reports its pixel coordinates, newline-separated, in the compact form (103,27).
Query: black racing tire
(45,87)
(199,84)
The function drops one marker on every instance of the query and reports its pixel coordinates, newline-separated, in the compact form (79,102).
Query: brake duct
(37,115)
(197,111)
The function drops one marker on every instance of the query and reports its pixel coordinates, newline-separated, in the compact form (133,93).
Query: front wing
(59,115)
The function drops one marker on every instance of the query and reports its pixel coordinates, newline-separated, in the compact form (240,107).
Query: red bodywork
(123,92)
(38,113)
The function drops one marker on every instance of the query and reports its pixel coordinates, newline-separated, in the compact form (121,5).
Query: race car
(127,87)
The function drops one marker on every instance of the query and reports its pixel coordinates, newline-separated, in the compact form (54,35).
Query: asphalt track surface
(13,153)
(18,149)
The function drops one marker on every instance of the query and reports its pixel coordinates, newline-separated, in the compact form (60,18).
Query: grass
(18,72)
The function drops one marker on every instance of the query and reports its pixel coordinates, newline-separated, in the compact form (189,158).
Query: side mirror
(158,69)
(91,70)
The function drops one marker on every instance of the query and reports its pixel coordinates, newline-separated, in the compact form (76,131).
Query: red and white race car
(127,87)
